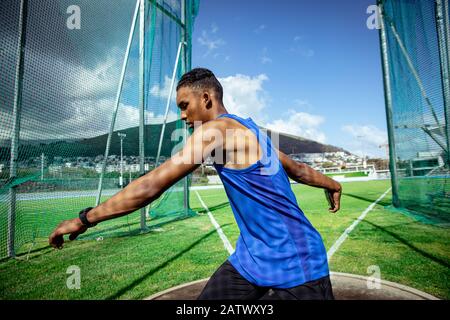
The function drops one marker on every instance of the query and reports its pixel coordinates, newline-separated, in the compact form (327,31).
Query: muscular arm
(304,174)
(148,188)
(141,192)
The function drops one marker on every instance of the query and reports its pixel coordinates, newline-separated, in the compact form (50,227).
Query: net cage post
(388,104)
(169,99)
(142,51)
(442,22)
(185,66)
(117,103)
(17,112)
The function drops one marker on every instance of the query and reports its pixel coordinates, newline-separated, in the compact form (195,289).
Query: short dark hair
(201,78)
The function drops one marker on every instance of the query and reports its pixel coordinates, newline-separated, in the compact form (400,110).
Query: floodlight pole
(17,110)
(442,21)
(118,95)
(142,98)
(388,103)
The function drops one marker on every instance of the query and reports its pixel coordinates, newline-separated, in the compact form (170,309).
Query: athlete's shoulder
(218,124)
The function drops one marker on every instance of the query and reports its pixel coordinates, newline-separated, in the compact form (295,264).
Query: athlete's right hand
(73,227)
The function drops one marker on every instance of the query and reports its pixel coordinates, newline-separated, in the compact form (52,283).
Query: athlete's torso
(277,247)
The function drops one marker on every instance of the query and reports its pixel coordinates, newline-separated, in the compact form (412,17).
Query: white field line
(219,230)
(344,236)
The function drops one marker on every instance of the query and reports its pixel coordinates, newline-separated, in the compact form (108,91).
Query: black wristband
(83,218)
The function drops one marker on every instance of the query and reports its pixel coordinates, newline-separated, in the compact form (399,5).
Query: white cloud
(163,91)
(265,59)
(211,43)
(97,81)
(368,134)
(150,117)
(260,29)
(304,104)
(365,140)
(244,95)
(225,57)
(214,28)
(300,48)
(303,51)
(300,124)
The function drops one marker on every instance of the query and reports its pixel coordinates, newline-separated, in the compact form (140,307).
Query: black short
(227,284)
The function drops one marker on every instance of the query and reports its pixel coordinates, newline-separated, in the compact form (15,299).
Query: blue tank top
(277,246)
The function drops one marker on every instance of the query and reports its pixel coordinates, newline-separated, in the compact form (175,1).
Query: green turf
(138,265)
(348,174)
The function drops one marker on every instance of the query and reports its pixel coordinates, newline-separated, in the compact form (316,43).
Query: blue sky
(310,68)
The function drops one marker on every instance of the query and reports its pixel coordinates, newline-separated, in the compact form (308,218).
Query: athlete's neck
(218,111)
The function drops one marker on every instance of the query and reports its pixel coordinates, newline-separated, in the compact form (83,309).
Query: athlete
(278,248)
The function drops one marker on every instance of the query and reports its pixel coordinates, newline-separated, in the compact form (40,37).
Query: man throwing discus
(278,248)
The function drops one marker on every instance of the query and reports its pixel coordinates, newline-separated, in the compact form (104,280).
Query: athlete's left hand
(336,196)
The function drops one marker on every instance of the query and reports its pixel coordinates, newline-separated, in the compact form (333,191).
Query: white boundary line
(222,235)
(344,236)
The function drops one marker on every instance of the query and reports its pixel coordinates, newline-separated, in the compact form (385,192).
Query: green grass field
(134,266)
(348,174)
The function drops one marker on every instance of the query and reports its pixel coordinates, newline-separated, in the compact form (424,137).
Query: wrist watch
(83,218)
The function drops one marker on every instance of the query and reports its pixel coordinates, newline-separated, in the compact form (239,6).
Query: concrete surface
(345,287)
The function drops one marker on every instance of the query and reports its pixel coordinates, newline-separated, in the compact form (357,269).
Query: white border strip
(222,235)
(344,236)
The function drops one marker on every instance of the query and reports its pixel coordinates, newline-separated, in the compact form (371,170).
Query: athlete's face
(194,105)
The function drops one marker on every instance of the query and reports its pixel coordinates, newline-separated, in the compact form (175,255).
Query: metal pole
(185,66)
(142,98)
(152,30)
(442,21)
(42,166)
(447,25)
(447,38)
(118,95)
(17,110)
(169,98)
(122,136)
(388,102)
(121,163)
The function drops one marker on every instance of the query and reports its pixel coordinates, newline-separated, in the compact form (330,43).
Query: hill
(92,147)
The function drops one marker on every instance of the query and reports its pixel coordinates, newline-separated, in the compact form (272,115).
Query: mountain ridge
(95,146)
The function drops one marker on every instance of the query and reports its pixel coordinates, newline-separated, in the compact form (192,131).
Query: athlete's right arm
(149,187)
(304,174)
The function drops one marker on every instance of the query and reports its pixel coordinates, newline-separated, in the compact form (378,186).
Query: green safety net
(69,82)
(418,66)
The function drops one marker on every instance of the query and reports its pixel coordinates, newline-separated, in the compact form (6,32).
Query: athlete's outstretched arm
(146,189)
(302,173)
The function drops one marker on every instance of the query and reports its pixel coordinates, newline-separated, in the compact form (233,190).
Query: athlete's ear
(206,99)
